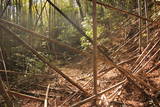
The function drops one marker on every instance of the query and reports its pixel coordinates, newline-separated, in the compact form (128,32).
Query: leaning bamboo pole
(44,60)
(72,49)
(122,11)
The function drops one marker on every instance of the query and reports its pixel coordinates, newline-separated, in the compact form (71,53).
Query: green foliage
(87,26)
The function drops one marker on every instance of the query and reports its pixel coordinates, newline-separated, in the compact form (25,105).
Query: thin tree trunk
(140,24)
(146,14)
(94,51)
(30,12)
(80,9)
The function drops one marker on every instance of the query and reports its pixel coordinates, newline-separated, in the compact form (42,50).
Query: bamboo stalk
(46,98)
(152,58)
(140,25)
(43,37)
(127,73)
(69,20)
(94,51)
(123,11)
(146,15)
(17,94)
(140,32)
(153,68)
(44,60)
(98,94)
(143,58)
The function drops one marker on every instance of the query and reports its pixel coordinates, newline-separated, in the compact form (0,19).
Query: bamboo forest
(79,53)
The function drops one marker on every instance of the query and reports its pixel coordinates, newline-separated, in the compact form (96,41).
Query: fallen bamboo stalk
(109,69)
(143,53)
(153,68)
(90,98)
(143,58)
(98,94)
(103,71)
(152,58)
(140,32)
(17,94)
(59,91)
(72,49)
(44,60)
(46,98)
(127,73)
(122,11)
(33,94)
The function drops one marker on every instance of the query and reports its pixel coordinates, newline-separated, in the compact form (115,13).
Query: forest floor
(61,91)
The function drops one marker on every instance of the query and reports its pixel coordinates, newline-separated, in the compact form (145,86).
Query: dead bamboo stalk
(123,11)
(17,94)
(127,73)
(152,58)
(72,49)
(104,71)
(142,54)
(46,98)
(101,73)
(143,58)
(44,60)
(5,95)
(153,68)
(124,72)
(98,94)
(140,32)
(94,50)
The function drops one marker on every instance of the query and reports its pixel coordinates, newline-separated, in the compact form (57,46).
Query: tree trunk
(80,9)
